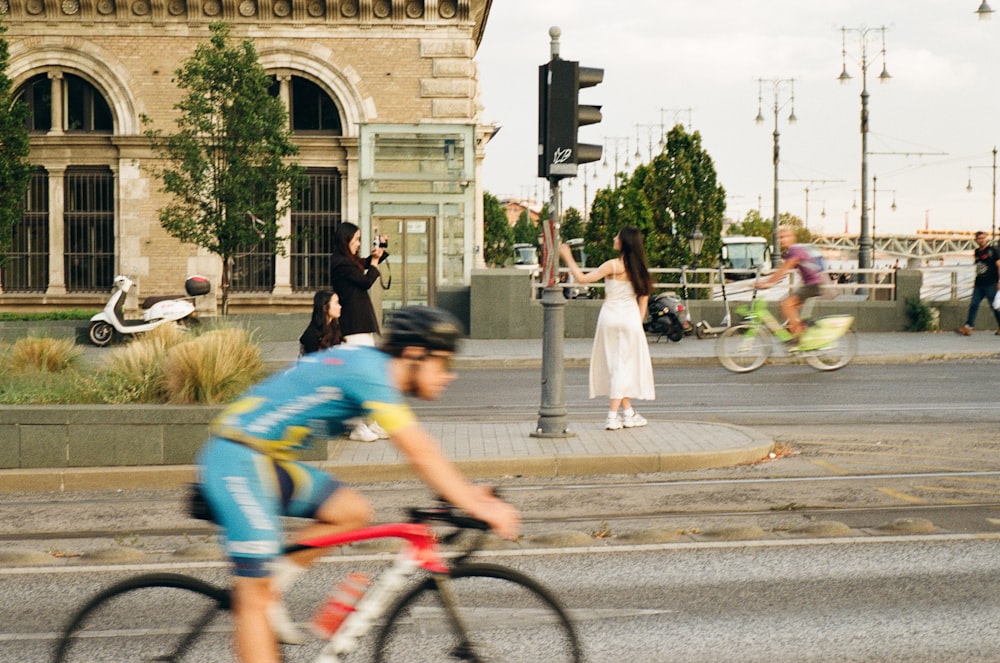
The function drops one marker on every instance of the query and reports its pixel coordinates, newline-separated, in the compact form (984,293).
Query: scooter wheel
(101,333)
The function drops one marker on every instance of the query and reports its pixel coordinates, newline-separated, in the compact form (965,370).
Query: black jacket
(351,283)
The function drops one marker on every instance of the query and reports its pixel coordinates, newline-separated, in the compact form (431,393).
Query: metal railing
(706,284)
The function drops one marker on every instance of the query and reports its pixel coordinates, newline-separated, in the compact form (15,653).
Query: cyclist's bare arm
(440,473)
(778,273)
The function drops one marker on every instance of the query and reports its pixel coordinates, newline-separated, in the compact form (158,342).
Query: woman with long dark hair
(351,277)
(324,328)
(620,367)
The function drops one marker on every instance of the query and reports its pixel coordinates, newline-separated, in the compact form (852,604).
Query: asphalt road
(922,599)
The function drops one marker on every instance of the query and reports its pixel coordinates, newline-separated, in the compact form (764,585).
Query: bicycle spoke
(506,617)
(151,618)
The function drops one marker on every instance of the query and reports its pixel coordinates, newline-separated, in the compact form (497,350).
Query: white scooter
(155,310)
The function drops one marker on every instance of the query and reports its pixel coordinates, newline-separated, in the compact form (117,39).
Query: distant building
(515,208)
(383,101)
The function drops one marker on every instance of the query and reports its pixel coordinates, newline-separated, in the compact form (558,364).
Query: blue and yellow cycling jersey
(284,413)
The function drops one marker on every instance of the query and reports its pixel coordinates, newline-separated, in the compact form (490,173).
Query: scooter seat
(150,302)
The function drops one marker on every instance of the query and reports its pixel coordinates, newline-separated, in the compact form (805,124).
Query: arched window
(311,110)
(84,108)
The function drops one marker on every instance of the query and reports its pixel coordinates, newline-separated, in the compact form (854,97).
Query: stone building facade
(383,100)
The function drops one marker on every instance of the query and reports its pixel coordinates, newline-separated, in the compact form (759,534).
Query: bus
(744,255)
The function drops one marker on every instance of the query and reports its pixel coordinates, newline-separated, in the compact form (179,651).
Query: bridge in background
(917,248)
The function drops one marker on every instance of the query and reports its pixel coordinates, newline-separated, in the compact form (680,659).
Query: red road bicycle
(456,610)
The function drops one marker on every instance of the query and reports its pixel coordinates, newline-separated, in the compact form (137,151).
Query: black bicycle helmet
(422,327)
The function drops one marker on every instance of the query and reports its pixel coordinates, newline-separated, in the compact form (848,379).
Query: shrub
(134,372)
(922,316)
(212,368)
(42,354)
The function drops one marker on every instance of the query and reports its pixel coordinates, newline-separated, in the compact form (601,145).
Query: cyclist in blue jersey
(812,269)
(250,477)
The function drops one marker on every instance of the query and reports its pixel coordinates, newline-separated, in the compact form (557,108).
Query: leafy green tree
(526,231)
(15,170)
(228,164)
(571,225)
(498,235)
(683,194)
(612,210)
(754,225)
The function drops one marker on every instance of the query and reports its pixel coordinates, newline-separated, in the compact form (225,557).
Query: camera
(379,241)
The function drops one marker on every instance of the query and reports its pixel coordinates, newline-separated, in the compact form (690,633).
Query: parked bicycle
(826,344)
(457,610)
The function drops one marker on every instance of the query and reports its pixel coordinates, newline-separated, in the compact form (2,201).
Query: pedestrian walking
(352,277)
(620,367)
(987,261)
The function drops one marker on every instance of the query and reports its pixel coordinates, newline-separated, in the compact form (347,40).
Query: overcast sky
(943,100)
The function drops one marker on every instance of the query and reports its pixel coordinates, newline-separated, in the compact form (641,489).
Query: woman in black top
(324,329)
(351,278)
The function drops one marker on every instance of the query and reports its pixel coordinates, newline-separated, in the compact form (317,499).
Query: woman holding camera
(351,278)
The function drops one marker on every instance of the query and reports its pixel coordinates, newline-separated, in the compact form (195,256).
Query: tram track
(615,503)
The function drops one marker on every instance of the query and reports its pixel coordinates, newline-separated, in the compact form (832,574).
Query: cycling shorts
(249,492)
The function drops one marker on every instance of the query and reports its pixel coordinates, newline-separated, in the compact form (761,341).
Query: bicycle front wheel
(836,355)
(505,615)
(744,348)
(155,617)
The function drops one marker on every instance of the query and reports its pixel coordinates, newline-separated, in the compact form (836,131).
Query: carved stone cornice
(359,13)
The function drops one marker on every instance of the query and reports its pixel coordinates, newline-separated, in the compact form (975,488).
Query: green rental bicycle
(826,344)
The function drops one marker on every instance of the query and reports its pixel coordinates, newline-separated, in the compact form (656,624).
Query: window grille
(89,218)
(315,218)
(27,267)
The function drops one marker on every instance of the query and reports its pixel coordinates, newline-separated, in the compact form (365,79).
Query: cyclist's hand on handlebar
(502,517)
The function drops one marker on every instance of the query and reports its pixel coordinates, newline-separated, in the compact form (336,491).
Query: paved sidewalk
(494,450)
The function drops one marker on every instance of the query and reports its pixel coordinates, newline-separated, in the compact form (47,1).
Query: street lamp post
(696,241)
(984,12)
(864,237)
(616,141)
(875,200)
(777,105)
(968,187)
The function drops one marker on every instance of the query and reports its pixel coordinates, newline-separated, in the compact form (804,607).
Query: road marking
(903,497)
(829,467)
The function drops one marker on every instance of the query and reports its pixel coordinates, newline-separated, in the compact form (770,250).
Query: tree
(15,170)
(754,225)
(525,230)
(612,210)
(683,195)
(498,235)
(571,225)
(227,166)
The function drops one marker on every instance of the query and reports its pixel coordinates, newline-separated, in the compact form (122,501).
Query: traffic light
(560,117)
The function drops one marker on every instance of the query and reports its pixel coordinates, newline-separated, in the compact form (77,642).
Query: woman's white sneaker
(613,423)
(633,421)
(362,433)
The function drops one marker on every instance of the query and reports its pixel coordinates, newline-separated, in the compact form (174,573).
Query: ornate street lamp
(776,85)
(984,12)
(864,238)
(968,187)
(696,241)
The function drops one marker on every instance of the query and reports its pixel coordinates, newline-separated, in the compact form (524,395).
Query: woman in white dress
(620,367)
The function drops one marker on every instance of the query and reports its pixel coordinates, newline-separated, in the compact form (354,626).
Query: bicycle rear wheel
(837,355)
(744,348)
(507,616)
(155,617)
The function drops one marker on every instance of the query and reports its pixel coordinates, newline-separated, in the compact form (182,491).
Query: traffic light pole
(560,115)
(552,418)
